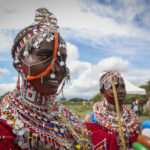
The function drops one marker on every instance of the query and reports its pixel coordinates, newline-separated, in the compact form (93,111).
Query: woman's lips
(121,97)
(53,82)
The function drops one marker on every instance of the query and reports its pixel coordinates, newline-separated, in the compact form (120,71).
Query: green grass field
(81,111)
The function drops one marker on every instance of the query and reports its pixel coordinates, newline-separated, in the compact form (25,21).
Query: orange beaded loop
(51,65)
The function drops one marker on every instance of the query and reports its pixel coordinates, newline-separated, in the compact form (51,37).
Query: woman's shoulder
(4,126)
(89,116)
(6,136)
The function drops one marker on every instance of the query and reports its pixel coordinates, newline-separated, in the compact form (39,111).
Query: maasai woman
(103,121)
(31,118)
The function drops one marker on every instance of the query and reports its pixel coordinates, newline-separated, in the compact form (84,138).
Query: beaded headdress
(105,79)
(44,27)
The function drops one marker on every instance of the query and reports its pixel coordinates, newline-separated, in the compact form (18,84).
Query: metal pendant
(48,39)
(52,75)
(48,146)
(21,132)
(62,63)
(3,117)
(9,122)
(14,131)
(62,130)
(56,129)
(21,125)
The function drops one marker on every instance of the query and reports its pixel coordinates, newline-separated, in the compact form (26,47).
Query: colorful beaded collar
(49,128)
(108,118)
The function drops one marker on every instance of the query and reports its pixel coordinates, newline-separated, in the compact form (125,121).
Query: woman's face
(121,92)
(48,86)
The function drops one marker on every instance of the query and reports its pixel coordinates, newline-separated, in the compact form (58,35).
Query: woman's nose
(56,67)
(121,89)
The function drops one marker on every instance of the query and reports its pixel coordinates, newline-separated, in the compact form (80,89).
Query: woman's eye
(123,86)
(117,85)
(44,56)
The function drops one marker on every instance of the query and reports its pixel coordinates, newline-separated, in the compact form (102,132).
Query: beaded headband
(106,78)
(44,21)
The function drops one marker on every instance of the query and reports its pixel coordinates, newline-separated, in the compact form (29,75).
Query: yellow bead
(78,146)
(29,137)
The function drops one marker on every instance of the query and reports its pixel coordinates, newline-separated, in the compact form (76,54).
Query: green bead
(138,146)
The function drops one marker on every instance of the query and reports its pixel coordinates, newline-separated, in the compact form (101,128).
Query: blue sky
(100,35)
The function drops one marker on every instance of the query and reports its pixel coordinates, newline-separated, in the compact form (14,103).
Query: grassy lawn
(81,111)
(142,118)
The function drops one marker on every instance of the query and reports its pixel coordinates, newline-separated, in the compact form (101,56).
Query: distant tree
(147,88)
(77,100)
(63,99)
(3,96)
(130,97)
(96,98)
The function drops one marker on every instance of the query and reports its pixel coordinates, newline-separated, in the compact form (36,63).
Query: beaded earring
(18,82)
(41,80)
(52,75)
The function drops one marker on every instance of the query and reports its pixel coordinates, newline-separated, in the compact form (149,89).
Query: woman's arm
(88,117)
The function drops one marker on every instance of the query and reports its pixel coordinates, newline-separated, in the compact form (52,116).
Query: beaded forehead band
(45,27)
(106,79)
(45,22)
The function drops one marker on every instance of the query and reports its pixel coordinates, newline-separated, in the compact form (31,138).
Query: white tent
(132,89)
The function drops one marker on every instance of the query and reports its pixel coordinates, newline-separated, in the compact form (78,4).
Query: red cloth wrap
(98,134)
(6,130)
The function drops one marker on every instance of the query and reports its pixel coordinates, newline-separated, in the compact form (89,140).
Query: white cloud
(4,71)
(114,63)
(138,76)
(96,23)
(15,78)
(85,76)
(4,88)
(72,53)
(6,40)
(3,59)
(73,17)
(78,67)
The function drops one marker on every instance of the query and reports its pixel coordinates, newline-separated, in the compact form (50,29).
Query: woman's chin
(49,93)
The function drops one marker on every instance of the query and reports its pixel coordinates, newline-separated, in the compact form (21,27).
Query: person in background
(136,109)
(103,121)
(141,107)
(30,116)
(132,104)
(148,106)
(138,102)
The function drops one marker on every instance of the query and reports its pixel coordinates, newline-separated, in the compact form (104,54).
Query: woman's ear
(101,90)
